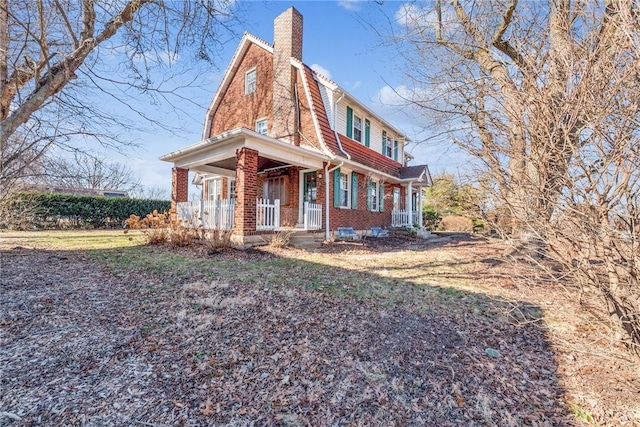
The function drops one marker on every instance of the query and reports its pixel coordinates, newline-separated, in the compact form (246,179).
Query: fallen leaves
(81,345)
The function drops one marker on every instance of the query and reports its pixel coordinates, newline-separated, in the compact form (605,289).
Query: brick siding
(179,186)
(239,110)
(246,194)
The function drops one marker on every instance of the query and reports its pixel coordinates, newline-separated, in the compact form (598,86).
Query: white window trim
(246,81)
(376,185)
(396,203)
(209,182)
(353,131)
(348,173)
(262,119)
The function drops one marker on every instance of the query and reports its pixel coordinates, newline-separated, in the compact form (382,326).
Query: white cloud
(321,70)
(393,97)
(356,85)
(350,4)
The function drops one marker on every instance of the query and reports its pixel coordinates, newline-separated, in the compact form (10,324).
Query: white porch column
(419,207)
(408,206)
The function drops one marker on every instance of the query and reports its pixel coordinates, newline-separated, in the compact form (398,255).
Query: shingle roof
(369,157)
(408,172)
(328,136)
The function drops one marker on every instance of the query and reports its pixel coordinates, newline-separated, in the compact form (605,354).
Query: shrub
(430,218)
(161,228)
(45,210)
(217,240)
(280,239)
(456,223)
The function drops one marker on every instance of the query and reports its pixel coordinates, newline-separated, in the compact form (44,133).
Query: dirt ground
(84,343)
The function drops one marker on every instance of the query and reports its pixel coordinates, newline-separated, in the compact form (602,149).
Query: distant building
(76,191)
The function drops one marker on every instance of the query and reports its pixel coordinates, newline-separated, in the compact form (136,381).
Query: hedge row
(45,210)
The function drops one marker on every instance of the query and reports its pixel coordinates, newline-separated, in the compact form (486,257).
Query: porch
(219,214)
(405,218)
(250,183)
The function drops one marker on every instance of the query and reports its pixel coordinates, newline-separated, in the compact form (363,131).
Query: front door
(310,192)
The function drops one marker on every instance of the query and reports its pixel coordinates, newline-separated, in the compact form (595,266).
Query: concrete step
(306,240)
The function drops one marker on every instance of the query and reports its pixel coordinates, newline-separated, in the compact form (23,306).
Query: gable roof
(418,173)
(333,143)
(243,46)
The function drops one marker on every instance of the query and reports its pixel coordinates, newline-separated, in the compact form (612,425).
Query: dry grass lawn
(97,329)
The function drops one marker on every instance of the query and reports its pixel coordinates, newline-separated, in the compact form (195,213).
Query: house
(75,191)
(284,146)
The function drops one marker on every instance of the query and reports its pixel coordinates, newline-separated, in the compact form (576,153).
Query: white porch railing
(403,218)
(218,214)
(208,214)
(188,213)
(267,214)
(312,216)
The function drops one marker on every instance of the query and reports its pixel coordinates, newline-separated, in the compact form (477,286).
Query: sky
(339,42)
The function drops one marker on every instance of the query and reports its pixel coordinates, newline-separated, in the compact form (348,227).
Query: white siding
(341,123)
(376,129)
(327,100)
(376,137)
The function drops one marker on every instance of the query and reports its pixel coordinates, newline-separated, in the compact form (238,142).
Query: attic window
(250,81)
(262,126)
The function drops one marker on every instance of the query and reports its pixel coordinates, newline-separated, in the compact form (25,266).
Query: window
(374,190)
(215,189)
(261,126)
(232,188)
(389,148)
(344,190)
(250,81)
(375,196)
(357,128)
(277,188)
(396,199)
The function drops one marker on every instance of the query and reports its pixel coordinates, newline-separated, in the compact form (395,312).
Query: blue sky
(337,41)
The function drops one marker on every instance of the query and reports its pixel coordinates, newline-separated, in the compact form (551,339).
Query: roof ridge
(257,39)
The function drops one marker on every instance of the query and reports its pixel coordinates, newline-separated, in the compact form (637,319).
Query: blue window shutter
(384,142)
(336,188)
(349,122)
(381,197)
(367,132)
(395,150)
(369,201)
(354,191)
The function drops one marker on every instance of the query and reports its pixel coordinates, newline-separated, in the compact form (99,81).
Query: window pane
(344,190)
(357,128)
(276,188)
(396,199)
(261,126)
(373,196)
(250,82)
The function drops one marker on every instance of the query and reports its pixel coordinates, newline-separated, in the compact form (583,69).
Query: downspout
(327,171)
(326,196)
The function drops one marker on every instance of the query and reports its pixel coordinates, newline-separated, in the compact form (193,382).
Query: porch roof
(217,154)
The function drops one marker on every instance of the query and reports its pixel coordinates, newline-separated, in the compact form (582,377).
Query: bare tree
(88,172)
(545,95)
(57,55)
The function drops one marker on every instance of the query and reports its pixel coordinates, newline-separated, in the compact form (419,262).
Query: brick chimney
(287,43)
